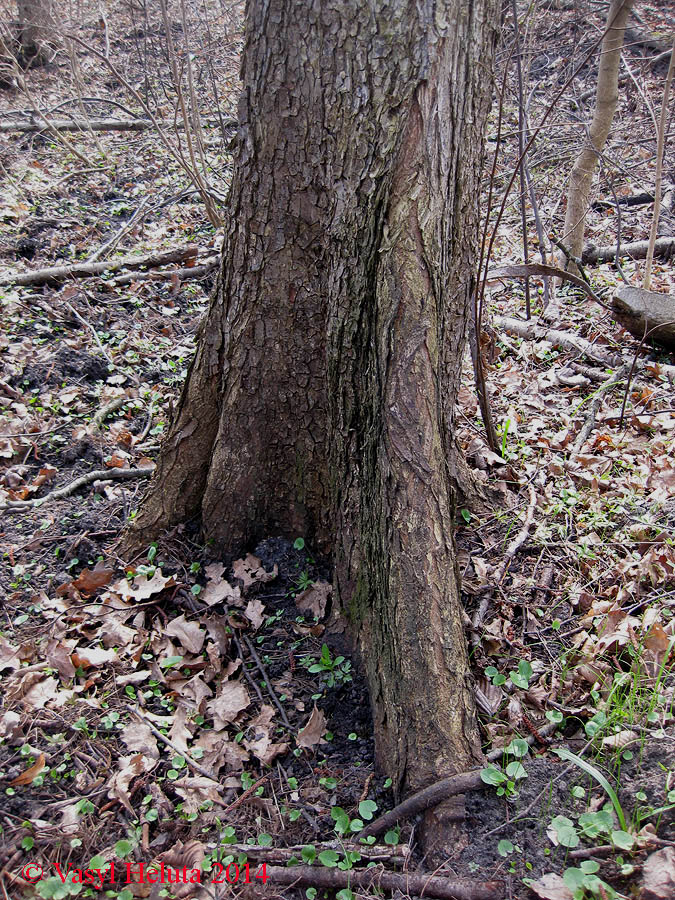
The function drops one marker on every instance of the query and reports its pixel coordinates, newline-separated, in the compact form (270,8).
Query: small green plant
(333,670)
(505,781)
(303,582)
(583,881)
(521,678)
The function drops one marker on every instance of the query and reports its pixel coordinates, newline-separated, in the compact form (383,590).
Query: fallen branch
(100,417)
(532,332)
(30,127)
(637,250)
(209,265)
(614,379)
(68,489)
(398,854)
(567,341)
(425,799)
(376,877)
(56,274)
(641,199)
(525,271)
(268,683)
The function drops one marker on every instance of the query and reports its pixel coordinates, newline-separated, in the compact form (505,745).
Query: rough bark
(37,31)
(320,401)
(607,95)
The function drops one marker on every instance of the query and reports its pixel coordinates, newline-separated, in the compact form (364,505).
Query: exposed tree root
(425,799)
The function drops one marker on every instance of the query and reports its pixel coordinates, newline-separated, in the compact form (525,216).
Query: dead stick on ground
(614,379)
(247,793)
(75,125)
(512,549)
(55,274)
(533,332)
(100,417)
(637,250)
(268,684)
(376,877)
(91,328)
(205,268)
(526,271)
(573,342)
(68,489)
(169,743)
(247,674)
(398,854)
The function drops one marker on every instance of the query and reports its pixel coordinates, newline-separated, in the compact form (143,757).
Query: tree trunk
(37,31)
(320,400)
(607,97)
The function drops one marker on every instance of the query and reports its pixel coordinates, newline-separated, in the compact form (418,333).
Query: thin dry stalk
(660,145)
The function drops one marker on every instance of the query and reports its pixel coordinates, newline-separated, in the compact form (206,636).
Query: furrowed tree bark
(320,400)
(607,96)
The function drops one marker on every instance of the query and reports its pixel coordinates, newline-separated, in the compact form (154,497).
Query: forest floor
(170,709)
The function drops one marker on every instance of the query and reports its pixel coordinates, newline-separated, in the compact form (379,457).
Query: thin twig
(247,674)
(614,379)
(660,144)
(512,549)
(268,683)
(169,743)
(91,328)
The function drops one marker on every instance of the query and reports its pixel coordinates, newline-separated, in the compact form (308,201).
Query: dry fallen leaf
(314,599)
(9,658)
(217,589)
(129,767)
(250,571)
(179,732)
(189,634)
(551,887)
(658,875)
(138,738)
(93,656)
(259,741)
(9,725)
(196,790)
(220,751)
(90,580)
(231,700)
(255,613)
(70,819)
(31,773)
(142,587)
(310,735)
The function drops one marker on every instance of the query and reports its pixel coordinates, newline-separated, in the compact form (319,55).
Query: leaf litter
(586,602)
